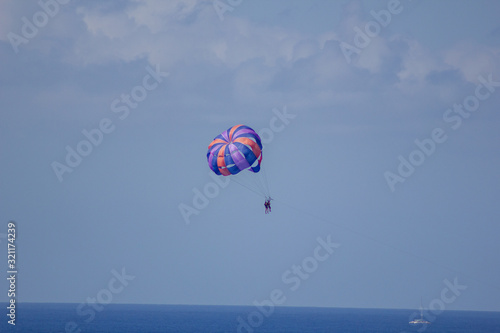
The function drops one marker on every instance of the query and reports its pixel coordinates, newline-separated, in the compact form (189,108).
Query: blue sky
(390,151)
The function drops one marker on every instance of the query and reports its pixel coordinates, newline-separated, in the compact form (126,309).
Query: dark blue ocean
(48,317)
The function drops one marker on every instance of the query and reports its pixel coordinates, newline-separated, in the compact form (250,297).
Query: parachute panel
(236,149)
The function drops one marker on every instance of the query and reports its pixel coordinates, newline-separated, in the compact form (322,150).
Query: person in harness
(267,205)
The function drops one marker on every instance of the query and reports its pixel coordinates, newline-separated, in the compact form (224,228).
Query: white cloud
(260,61)
(371,57)
(158,14)
(112,26)
(305,48)
(417,63)
(473,59)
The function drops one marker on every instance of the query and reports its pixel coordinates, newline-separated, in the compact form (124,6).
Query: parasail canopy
(236,149)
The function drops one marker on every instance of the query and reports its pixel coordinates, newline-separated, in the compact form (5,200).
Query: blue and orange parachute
(236,149)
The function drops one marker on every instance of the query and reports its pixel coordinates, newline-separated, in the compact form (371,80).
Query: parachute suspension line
(265,181)
(253,181)
(260,183)
(259,193)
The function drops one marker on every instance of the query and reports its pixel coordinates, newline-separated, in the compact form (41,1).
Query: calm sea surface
(48,317)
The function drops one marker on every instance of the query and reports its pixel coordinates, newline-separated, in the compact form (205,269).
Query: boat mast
(421,309)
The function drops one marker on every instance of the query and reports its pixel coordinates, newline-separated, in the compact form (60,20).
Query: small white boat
(420,320)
